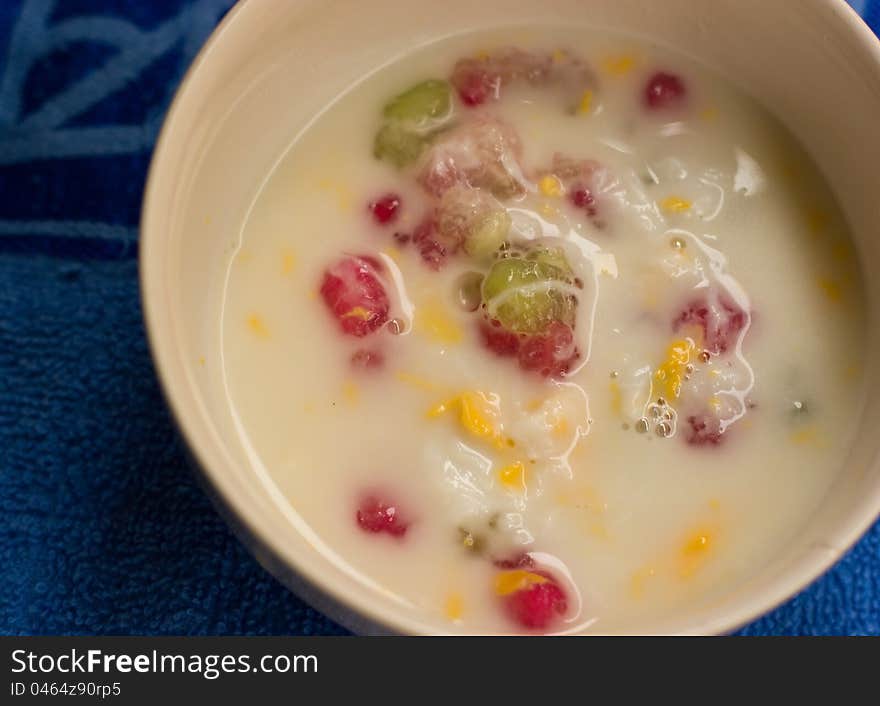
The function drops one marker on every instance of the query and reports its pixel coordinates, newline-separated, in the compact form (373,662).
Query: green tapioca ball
(526,296)
(394,143)
(421,107)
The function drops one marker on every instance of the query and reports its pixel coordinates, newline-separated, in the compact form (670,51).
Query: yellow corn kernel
(442,408)
(697,544)
(513,476)
(351,392)
(586,101)
(560,428)
(550,186)
(599,530)
(671,372)
(675,204)
(454,606)
(715,403)
(583,498)
(357,312)
(393,253)
(694,551)
(483,56)
(257,326)
(339,190)
(534,405)
(433,321)
(639,579)
(558,56)
(288,262)
(852,371)
(709,114)
(616,398)
(831,288)
(476,414)
(201,360)
(508,582)
(619,65)
(808,436)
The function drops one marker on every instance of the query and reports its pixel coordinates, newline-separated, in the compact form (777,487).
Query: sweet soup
(546,331)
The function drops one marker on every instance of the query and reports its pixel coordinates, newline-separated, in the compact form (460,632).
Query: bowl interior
(275,64)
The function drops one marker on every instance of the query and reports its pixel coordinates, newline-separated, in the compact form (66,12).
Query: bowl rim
(321,594)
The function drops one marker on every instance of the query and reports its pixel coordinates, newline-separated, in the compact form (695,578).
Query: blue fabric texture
(103,528)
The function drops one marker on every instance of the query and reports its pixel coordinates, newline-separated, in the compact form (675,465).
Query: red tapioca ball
(582,198)
(532,599)
(579,177)
(498,339)
(474,84)
(664,90)
(385,208)
(375,515)
(719,319)
(352,291)
(551,353)
(364,359)
(703,430)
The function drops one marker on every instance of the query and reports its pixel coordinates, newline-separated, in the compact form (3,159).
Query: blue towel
(103,529)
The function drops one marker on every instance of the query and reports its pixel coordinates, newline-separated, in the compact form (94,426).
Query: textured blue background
(102,527)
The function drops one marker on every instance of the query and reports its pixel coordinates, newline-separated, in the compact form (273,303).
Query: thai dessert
(546,331)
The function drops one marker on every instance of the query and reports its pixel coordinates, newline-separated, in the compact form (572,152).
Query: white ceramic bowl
(273,65)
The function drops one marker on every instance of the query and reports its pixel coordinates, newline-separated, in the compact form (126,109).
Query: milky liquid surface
(715,198)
